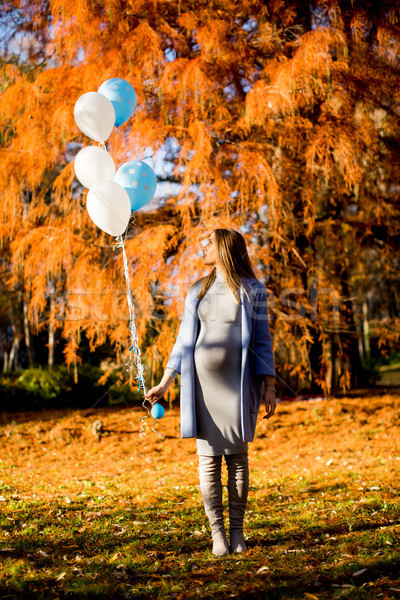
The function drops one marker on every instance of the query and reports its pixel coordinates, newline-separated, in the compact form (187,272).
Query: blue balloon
(157,411)
(122,96)
(139,180)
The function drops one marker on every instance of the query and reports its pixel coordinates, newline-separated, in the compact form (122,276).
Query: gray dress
(217,359)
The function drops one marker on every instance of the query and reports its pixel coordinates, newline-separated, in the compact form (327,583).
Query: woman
(224,354)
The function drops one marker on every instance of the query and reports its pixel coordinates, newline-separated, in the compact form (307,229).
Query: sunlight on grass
(123,518)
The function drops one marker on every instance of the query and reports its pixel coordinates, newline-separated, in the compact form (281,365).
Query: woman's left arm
(264,358)
(262,343)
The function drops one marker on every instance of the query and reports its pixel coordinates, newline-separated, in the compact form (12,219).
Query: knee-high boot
(211,491)
(238,488)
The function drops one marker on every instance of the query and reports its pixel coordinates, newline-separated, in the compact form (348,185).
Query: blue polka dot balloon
(122,96)
(139,180)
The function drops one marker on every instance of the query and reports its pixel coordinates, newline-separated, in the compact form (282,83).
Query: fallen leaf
(262,570)
(114,558)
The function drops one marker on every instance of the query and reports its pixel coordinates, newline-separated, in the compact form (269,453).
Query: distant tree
(280,119)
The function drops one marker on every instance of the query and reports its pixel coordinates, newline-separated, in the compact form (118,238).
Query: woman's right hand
(156,393)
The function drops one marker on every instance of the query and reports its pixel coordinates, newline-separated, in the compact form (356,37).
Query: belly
(218,350)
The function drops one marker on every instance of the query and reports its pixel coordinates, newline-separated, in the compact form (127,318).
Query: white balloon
(93,164)
(109,207)
(95,116)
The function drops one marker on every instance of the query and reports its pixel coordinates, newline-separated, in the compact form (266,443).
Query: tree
(278,119)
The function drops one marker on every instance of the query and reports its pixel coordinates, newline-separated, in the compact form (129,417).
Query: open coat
(257,356)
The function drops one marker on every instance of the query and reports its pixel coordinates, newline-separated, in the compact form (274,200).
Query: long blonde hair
(234,261)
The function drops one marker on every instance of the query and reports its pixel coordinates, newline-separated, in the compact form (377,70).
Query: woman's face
(210,251)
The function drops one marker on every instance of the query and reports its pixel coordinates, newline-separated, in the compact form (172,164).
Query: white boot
(211,491)
(238,488)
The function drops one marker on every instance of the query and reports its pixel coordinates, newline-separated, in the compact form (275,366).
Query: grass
(123,518)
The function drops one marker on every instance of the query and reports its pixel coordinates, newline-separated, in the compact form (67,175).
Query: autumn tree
(278,119)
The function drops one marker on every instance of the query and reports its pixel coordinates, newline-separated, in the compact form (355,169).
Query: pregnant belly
(218,355)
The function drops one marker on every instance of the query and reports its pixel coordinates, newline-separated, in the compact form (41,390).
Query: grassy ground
(122,517)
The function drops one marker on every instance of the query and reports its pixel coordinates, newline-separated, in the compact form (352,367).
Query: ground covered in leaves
(122,516)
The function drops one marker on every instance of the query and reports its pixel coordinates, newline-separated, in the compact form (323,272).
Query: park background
(281,120)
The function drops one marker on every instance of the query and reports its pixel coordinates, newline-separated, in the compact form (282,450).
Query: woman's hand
(158,391)
(270,403)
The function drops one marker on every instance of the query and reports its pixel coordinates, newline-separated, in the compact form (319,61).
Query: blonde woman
(223,352)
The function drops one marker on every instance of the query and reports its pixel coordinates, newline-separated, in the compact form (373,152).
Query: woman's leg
(238,488)
(211,491)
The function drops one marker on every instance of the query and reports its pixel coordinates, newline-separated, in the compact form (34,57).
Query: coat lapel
(247,311)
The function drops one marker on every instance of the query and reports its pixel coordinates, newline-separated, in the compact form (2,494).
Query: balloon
(123,98)
(109,207)
(93,164)
(157,411)
(139,180)
(94,114)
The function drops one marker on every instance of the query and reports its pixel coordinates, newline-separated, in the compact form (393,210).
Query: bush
(45,383)
(40,388)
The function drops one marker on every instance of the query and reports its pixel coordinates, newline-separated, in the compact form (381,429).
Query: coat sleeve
(175,358)
(264,357)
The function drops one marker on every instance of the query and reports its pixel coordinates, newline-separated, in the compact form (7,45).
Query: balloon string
(115,147)
(155,430)
(134,348)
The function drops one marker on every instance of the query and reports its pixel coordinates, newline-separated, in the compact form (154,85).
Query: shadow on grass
(316,530)
(113,555)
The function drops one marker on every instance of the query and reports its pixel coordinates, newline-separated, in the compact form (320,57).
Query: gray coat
(257,357)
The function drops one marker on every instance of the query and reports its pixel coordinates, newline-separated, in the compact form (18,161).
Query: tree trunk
(27,333)
(13,359)
(352,360)
(359,332)
(367,346)
(329,366)
(51,328)
(336,362)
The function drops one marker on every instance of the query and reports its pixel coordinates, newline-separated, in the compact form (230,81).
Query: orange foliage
(270,119)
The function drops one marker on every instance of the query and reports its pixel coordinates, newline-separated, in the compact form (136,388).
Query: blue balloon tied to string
(138,180)
(122,96)
(157,411)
